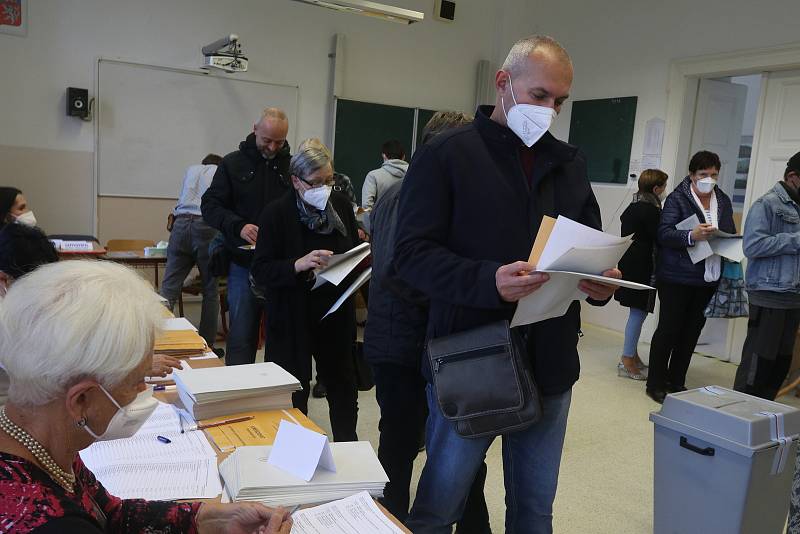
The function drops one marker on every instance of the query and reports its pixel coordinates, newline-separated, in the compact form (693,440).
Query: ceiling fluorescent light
(370,9)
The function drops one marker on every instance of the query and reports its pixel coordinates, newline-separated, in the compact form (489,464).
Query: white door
(719,115)
(777,139)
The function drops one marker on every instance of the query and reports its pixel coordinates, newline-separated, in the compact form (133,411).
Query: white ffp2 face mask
(129,419)
(318,196)
(706,185)
(528,121)
(27,218)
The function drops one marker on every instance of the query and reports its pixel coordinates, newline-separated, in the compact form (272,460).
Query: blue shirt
(195,182)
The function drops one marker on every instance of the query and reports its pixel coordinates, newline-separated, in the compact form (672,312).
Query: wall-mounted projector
(370,9)
(225,54)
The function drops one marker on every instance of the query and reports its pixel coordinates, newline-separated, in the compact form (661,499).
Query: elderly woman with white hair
(76,339)
(304,228)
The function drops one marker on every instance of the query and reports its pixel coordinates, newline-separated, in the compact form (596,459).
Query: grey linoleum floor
(606,481)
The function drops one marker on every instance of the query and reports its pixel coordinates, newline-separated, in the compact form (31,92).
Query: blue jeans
(531,459)
(188,246)
(244,313)
(633,329)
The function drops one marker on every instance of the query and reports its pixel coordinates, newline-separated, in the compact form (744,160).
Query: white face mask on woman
(129,419)
(26,218)
(318,196)
(706,185)
(528,121)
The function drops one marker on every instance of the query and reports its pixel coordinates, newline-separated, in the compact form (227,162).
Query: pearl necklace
(65,479)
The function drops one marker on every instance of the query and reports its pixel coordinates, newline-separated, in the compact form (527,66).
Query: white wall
(430,64)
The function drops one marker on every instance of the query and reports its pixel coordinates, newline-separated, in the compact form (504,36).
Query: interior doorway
(724,123)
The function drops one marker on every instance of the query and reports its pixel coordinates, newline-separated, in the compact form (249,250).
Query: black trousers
(767,351)
(400,392)
(331,343)
(680,322)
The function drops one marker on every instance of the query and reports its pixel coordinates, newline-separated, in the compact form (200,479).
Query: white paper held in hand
(340,265)
(701,249)
(300,451)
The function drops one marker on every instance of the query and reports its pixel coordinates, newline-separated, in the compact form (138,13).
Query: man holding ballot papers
(470,209)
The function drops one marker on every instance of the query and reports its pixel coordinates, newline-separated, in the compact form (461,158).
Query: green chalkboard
(361,128)
(603,130)
(423,116)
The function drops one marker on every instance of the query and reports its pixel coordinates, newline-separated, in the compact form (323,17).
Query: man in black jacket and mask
(246,181)
(470,208)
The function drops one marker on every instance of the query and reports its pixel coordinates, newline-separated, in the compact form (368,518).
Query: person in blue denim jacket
(772,247)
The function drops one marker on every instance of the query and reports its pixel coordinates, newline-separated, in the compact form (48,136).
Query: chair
(129,244)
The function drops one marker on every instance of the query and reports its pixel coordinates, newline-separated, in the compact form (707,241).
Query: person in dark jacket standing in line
(641,219)
(684,287)
(394,342)
(772,246)
(306,226)
(469,211)
(246,181)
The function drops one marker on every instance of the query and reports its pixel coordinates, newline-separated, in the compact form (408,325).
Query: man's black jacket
(244,183)
(466,209)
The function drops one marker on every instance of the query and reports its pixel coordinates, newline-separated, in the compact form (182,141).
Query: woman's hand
(702,232)
(242,518)
(163,365)
(312,260)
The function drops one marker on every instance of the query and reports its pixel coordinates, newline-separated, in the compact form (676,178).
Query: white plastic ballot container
(724,463)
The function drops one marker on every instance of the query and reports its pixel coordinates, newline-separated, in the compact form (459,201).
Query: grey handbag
(483,380)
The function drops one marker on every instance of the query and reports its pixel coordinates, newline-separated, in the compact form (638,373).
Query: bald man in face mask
(469,210)
(246,181)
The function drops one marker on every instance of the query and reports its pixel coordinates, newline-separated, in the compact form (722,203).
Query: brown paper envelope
(545,229)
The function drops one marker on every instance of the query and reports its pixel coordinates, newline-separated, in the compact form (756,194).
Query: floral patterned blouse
(31,502)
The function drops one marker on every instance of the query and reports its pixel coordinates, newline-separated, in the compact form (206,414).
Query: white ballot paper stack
(357,514)
(340,265)
(250,476)
(216,391)
(569,252)
(144,467)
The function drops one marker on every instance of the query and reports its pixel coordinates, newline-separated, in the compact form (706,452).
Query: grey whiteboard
(153,122)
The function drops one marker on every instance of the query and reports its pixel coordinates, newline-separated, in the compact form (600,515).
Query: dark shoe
(657,395)
(319,391)
(219,352)
(675,389)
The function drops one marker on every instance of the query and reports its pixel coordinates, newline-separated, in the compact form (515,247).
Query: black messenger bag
(483,381)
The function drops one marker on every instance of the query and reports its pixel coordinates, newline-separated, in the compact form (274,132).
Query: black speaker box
(77,102)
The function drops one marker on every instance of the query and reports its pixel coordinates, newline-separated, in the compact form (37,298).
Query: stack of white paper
(248,476)
(357,514)
(573,252)
(217,391)
(180,466)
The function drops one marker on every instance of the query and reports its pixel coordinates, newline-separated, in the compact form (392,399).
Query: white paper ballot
(177,479)
(701,249)
(360,281)
(299,451)
(340,265)
(178,323)
(728,248)
(573,252)
(357,514)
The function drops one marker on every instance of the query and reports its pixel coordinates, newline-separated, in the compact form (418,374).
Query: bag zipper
(486,351)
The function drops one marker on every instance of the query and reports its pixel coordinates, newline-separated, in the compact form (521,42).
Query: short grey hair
(516,61)
(311,156)
(72,320)
(272,113)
